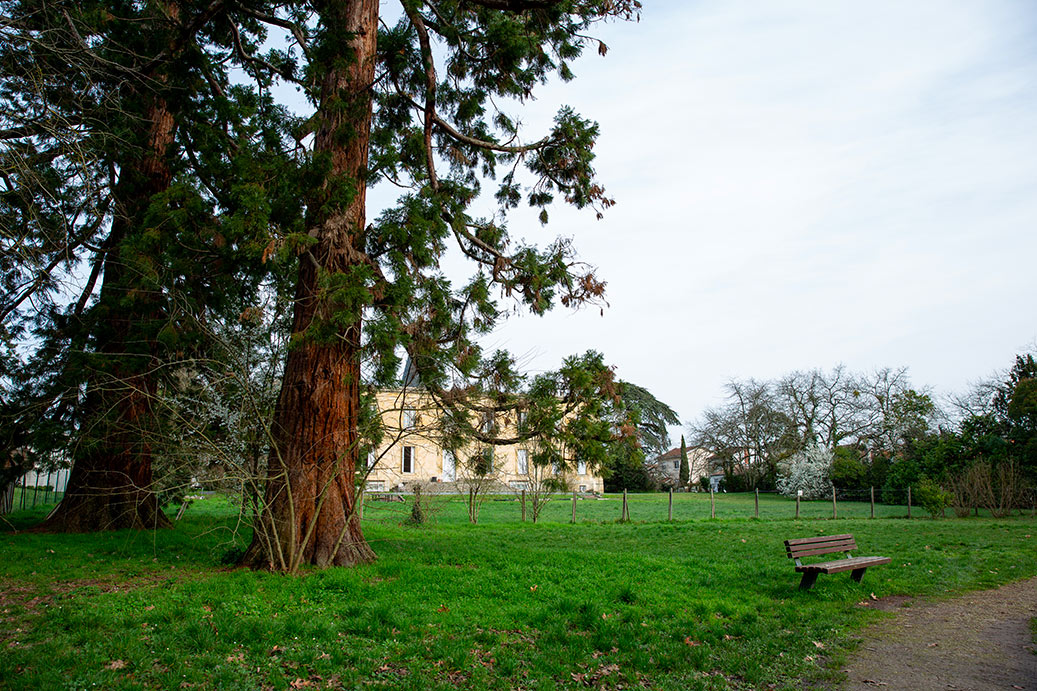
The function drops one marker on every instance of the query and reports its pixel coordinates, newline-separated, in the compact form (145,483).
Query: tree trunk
(309,516)
(110,486)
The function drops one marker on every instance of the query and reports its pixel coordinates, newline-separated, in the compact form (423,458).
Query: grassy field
(696,603)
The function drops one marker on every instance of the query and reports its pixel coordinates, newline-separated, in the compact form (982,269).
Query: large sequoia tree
(133,205)
(417,103)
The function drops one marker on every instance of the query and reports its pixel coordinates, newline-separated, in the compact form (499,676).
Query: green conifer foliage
(421,102)
(138,214)
(684,470)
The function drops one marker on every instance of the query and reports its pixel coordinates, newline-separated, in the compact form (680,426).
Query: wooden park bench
(385,496)
(829,544)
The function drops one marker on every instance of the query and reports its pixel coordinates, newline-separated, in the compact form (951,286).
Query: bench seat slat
(844,564)
(850,546)
(812,540)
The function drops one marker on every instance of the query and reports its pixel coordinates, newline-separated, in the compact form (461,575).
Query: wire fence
(648,507)
(661,507)
(30,492)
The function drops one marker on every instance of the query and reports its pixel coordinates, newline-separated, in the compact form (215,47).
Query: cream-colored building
(409,453)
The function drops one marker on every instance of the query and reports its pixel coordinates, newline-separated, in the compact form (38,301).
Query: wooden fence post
(625,515)
(712,504)
(835,511)
(873,502)
(757,498)
(24,485)
(574,506)
(669,514)
(523,504)
(909,501)
(797,506)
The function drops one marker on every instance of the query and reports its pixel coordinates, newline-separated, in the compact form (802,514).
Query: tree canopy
(154,184)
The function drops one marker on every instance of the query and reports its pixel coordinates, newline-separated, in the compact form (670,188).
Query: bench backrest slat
(806,547)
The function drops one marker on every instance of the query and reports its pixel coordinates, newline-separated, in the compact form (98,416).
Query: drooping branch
(451,131)
(430,89)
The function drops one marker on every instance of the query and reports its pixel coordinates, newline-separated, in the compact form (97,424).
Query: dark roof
(411,378)
(670,455)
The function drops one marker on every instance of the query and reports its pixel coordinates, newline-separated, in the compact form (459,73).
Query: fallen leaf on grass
(116,664)
(872,596)
(819,644)
(688,641)
(442,608)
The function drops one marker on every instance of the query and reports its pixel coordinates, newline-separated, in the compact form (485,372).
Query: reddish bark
(110,486)
(310,515)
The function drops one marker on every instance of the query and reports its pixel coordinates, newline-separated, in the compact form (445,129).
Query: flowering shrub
(809,471)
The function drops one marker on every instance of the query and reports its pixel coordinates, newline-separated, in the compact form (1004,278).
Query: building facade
(411,454)
(666,468)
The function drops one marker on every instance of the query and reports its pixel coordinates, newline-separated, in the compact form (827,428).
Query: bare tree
(748,435)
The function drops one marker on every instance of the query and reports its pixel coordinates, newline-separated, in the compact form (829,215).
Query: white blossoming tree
(808,471)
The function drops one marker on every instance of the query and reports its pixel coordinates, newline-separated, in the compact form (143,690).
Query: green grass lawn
(696,603)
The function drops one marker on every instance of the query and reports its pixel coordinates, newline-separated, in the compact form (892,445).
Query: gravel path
(978,641)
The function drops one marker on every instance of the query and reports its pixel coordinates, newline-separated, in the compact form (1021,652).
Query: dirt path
(978,641)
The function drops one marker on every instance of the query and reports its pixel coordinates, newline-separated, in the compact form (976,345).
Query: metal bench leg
(858,574)
(808,580)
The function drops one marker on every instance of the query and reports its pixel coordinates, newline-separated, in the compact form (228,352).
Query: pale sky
(802,184)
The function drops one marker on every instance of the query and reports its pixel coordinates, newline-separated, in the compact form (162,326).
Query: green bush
(932,497)
(848,471)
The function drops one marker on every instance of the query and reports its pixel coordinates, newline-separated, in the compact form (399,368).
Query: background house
(410,453)
(665,469)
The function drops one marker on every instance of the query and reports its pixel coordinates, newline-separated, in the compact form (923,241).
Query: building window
(523,462)
(676,465)
(583,488)
(409,418)
(523,415)
(408,459)
(371,459)
(449,466)
(375,486)
(581,468)
(487,424)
